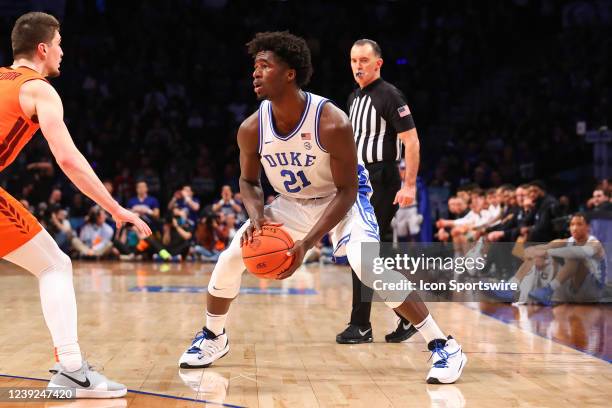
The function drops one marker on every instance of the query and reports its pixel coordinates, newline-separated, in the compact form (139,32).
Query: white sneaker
(205,349)
(86,382)
(449,361)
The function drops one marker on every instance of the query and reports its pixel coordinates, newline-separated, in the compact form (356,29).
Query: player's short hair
(290,48)
(582,215)
(373,44)
(30,30)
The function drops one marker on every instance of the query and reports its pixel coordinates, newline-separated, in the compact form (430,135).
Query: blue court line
(154,394)
(511,323)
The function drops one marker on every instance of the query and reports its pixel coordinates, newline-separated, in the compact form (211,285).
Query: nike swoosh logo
(268,141)
(406,326)
(363,333)
(84,384)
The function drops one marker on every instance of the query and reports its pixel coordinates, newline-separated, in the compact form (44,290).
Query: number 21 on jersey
(292,184)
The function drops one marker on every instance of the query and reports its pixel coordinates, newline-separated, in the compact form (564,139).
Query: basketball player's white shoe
(86,382)
(449,361)
(205,349)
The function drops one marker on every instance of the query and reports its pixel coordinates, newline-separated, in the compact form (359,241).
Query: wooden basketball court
(135,320)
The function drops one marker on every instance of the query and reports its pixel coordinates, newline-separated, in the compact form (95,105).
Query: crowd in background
(154,103)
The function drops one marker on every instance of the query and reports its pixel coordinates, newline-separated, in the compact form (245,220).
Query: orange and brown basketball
(266,256)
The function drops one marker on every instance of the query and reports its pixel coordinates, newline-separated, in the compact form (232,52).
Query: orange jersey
(16,129)
(17,225)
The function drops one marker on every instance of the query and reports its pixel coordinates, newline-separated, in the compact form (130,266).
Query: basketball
(266,256)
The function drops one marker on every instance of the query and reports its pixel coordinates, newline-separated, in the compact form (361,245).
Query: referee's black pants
(385,181)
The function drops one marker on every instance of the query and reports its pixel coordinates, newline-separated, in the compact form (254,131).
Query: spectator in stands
(229,227)
(108,184)
(184,199)
(227,204)
(96,236)
(176,237)
(145,205)
(55,198)
(509,217)
(601,200)
(458,208)
(545,207)
(59,227)
(210,239)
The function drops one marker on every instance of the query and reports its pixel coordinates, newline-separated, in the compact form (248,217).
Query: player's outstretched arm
(46,104)
(336,136)
(250,169)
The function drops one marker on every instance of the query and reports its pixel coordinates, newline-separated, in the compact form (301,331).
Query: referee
(382,122)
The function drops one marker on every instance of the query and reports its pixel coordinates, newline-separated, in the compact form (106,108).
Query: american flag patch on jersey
(305,136)
(403,111)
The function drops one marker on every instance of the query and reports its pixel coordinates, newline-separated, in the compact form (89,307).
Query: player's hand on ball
(297,252)
(405,196)
(123,216)
(255,226)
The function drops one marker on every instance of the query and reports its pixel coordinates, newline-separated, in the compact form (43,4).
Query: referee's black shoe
(404,331)
(354,334)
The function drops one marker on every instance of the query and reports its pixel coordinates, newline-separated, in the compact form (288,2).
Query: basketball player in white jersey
(580,279)
(307,150)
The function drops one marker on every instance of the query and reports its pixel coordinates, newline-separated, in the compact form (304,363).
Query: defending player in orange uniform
(28,103)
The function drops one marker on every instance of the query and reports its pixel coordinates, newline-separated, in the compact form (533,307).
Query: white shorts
(298,217)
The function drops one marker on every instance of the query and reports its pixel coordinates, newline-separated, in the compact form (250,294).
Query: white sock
(215,323)
(69,356)
(555,284)
(429,329)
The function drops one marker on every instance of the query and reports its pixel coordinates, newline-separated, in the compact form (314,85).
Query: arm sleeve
(575,252)
(397,112)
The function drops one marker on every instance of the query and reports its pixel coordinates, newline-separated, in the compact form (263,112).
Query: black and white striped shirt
(378,113)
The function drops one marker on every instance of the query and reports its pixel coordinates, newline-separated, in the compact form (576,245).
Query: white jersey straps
(296,164)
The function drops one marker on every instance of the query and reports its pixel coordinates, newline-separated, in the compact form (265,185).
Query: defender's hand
(122,216)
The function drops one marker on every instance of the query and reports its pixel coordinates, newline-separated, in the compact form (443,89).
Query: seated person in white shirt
(96,236)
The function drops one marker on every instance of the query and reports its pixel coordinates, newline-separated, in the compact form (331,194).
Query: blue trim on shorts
(363,180)
(340,260)
(362,199)
(342,241)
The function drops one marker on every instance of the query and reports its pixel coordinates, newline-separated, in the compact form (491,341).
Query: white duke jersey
(296,164)
(596,266)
